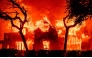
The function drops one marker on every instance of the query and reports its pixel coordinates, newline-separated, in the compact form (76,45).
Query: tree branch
(64,20)
(22,9)
(23,12)
(14,25)
(6,17)
(79,19)
(73,25)
(16,15)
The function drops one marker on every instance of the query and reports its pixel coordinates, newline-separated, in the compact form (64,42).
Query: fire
(74,30)
(70,22)
(46,19)
(43,24)
(85,38)
(20,45)
(7,46)
(74,42)
(46,45)
(59,31)
(16,22)
(60,27)
(59,23)
(39,24)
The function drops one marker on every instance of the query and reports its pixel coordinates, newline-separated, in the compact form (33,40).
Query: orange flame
(20,45)
(43,24)
(74,43)
(46,45)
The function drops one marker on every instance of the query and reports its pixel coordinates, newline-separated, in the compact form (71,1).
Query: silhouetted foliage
(81,9)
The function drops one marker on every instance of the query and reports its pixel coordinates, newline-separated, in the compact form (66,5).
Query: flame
(59,31)
(10,10)
(24,31)
(43,24)
(74,42)
(59,23)
(85,38)
(60,27)
(70,22)
(20,45)
(46,19)
(74,30)
(7,46)
(46,45)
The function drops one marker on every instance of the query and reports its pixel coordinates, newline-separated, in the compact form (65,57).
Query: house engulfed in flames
(13,40)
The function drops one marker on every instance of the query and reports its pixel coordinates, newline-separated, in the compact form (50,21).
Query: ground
(43,53)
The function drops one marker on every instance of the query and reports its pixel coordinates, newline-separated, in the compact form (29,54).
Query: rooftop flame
(43,24)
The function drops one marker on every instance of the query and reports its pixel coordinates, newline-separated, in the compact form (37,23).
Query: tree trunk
(66,37)
(24,41)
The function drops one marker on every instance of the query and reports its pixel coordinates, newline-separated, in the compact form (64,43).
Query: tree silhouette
(6,16)
(81,10)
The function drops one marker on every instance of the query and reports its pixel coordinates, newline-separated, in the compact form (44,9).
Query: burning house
(43,35)
(46,37)
(13,40)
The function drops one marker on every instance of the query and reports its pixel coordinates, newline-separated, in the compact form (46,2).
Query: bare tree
(81,10)
(6,16)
